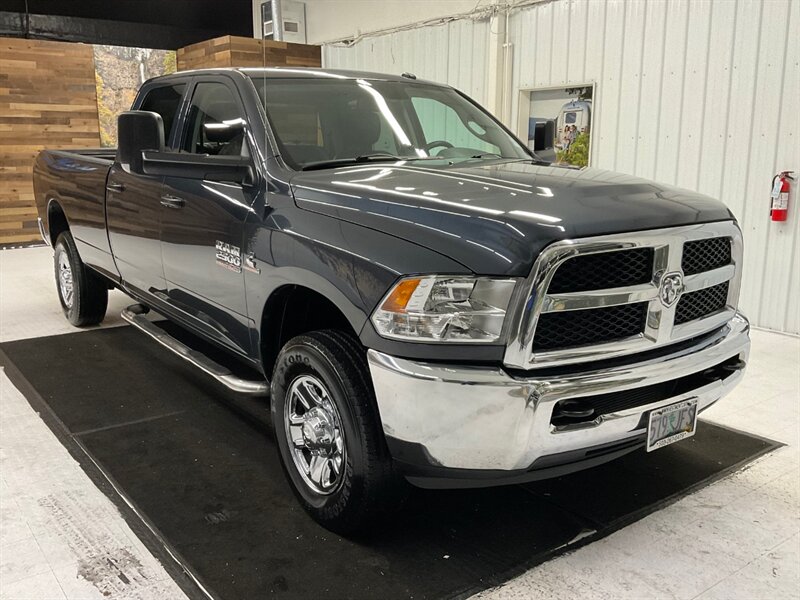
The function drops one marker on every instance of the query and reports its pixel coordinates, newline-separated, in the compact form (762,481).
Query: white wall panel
(455,53)
(609,80)
(716,112)
(700,94)
(774,240)
(672,78)
(649,97)
(786,246)
(630,86)
(693,99)
(328,20)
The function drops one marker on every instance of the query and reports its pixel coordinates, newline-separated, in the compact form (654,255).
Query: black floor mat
(199,463)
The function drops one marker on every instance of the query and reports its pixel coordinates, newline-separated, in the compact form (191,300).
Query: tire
(331,367)
(83,294)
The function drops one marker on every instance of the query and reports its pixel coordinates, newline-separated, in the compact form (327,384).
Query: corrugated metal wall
(704,95)
(456,53)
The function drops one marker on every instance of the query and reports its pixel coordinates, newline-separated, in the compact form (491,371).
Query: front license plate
(671,424)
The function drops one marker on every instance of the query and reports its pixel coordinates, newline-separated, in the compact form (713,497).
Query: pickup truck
(422,298)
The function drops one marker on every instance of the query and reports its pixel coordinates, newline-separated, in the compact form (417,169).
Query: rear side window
(165,101)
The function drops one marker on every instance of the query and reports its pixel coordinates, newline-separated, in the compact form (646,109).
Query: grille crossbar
(568,321)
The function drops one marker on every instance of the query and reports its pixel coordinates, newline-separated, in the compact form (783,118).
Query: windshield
(317,121)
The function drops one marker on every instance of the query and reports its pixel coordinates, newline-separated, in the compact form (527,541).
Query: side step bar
(135,315)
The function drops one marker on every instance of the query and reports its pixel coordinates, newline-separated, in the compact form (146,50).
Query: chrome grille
(698,304)
(705,255)
(576,328)
(571,315)
(598,271)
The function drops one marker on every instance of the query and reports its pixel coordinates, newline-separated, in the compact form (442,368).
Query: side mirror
(138,130)
(222,133)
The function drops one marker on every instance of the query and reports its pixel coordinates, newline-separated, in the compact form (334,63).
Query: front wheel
(327,428)
(82,293)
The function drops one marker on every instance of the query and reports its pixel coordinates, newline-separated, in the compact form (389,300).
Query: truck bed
(102,155)
(76,180)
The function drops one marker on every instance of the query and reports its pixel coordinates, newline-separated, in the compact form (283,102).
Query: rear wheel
(328,432)
(82,293)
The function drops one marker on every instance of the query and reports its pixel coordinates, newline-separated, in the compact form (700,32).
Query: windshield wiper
(488,155)
(363,158)
(492,155)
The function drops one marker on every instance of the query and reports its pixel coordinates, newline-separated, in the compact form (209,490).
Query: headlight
(445,309)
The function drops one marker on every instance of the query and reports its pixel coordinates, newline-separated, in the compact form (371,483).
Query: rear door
(133,203)
(202,222)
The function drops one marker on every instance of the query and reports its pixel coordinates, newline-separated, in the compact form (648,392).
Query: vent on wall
(284,20)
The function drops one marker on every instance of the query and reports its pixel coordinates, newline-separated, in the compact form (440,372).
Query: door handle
(172,201)
(115,187)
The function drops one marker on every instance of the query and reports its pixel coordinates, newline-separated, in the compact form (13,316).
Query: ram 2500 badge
(423,298)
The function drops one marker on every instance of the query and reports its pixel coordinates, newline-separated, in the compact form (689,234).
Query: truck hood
(495,218)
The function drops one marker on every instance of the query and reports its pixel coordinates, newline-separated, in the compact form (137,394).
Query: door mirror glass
(138,130)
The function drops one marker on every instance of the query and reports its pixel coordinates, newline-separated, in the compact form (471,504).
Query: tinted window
(165,101)
(321,119)
(570,117)
(214,104)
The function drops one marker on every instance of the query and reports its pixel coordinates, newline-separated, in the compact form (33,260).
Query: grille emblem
(670,288)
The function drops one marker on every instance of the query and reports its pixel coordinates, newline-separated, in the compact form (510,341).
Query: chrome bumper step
(135,315)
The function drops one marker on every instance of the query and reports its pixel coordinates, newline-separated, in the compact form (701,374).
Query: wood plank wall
(230,51)
(47,99)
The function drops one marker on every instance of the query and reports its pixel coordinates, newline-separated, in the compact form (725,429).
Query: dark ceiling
(144,23)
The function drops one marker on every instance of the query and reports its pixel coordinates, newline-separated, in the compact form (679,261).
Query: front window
(317,121)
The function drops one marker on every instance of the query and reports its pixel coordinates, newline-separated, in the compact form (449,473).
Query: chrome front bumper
(478,418)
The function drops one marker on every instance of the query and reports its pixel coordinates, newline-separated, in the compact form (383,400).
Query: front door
(202,223)
(133,206)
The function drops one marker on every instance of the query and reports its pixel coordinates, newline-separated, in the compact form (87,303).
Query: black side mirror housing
(236,169)
(138,130)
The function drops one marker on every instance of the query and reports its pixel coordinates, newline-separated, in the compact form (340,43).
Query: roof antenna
(408,75)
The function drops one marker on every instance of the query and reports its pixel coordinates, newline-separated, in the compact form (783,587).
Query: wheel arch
(293,309)
(57,222)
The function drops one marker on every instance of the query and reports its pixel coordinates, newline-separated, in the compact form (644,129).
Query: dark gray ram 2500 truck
(422,297)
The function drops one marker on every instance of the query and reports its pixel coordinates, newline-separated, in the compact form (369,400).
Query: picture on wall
(561,119)
(119,72)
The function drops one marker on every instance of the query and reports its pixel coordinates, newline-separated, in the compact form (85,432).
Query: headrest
(363,126)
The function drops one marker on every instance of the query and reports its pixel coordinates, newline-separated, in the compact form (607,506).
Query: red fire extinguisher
(780,195)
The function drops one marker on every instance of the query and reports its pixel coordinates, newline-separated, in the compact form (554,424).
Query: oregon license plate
(671,424)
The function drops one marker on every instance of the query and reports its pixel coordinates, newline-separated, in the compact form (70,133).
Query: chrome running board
(135,315)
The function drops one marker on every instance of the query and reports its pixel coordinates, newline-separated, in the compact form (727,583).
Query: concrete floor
(60,537)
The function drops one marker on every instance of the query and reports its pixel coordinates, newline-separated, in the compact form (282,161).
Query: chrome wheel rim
(315,435)
(65,279)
